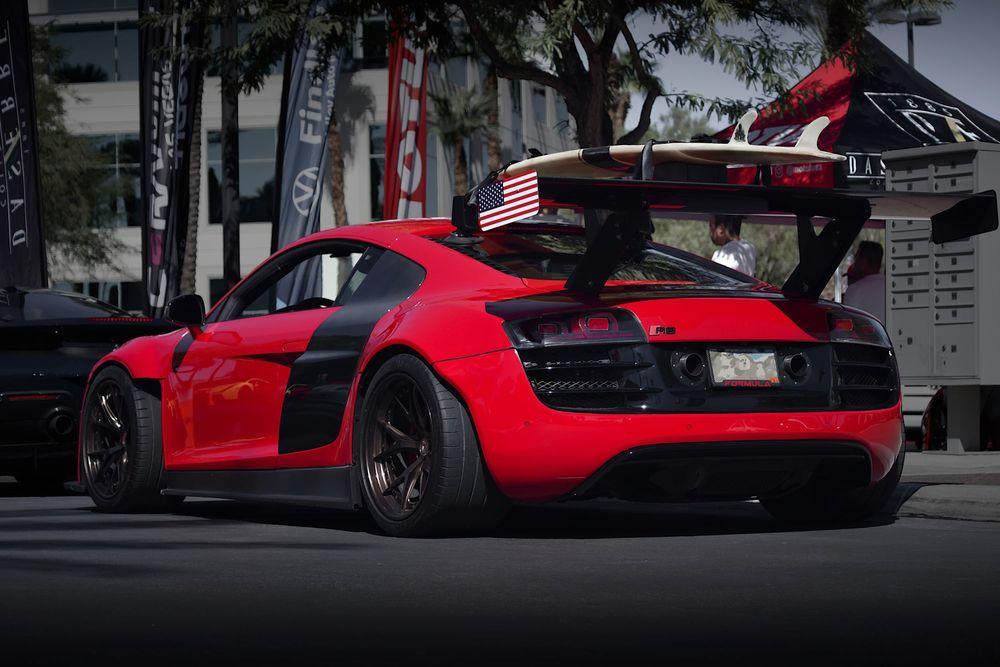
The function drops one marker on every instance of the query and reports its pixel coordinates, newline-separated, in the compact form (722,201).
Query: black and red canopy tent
(876,102)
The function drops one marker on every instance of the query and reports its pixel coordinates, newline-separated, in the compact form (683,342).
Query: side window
(305,278)
(362,267)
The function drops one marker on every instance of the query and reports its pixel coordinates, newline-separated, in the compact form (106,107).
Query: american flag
(504,202)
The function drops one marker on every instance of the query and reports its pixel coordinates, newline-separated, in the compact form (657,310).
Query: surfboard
(612,161)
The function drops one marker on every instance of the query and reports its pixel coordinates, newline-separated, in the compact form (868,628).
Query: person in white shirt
(866,282)
(734,251)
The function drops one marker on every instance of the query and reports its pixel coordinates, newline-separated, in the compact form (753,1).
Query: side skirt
(319,487)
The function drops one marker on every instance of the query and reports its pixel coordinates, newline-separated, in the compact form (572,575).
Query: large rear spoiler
(842,214)
(585,178)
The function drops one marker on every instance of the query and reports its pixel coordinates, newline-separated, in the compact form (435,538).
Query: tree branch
(506,68)
(649,82)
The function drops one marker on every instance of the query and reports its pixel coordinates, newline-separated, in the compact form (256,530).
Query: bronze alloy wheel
(106,441)
(397,447)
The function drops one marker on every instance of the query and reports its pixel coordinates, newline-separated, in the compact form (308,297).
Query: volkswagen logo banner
(308,94)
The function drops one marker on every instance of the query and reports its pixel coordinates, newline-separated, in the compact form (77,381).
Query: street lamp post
(910,18)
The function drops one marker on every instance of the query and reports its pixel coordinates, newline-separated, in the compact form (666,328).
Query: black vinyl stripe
(601,157)
(320,379)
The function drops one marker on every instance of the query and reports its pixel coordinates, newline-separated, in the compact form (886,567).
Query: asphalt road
(591,583)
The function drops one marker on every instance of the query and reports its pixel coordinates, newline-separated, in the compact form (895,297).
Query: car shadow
(10,488)
(592,519)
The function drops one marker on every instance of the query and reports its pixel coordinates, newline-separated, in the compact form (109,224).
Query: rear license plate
(744,368)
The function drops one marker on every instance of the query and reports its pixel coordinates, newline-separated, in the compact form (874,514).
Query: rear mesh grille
(864,376)
(597,377)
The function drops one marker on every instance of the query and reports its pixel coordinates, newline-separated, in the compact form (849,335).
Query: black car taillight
(600,327)
(591,360)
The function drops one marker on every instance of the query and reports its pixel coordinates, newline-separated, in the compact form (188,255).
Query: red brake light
(843,324)
(857,328)
(597,323)
(610,326)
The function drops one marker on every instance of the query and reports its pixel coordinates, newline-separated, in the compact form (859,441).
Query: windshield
(551,255)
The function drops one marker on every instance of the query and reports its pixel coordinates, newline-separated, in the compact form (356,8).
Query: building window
(96,52)
(456,71)
(257,151)
(376,150)
(562,114)
(372,46)
(515,99)
(79,6)
(538,104)
(121,151)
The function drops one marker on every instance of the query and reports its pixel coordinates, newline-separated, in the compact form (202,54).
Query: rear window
(53,306)
(553,256)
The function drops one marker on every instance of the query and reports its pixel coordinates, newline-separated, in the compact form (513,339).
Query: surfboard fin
(809,138)
(742,129)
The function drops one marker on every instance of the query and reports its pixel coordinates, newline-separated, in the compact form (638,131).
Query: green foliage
(678,124)
(270,27)
(75,191)
(459,114)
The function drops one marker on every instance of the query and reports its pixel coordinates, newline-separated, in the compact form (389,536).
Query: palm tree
(457,116)
(492,120)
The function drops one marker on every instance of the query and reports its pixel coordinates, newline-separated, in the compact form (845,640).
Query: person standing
(866,282)
(734,252)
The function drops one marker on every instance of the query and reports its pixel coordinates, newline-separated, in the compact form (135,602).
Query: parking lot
(595,583)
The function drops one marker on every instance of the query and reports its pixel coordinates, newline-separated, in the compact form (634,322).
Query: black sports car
(49,341)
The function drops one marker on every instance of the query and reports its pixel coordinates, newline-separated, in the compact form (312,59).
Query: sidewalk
(951,486)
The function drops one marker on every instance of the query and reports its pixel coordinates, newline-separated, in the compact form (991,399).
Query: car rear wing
(839,216)
(588,179)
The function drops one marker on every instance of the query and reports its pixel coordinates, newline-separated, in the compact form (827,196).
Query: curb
(970,502)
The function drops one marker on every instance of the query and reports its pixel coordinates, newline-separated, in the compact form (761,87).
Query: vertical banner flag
(22,257)
(405,191)
(307,106)
(167,94)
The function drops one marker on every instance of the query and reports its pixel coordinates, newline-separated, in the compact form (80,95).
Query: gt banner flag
(308,94)
(22,257)
(168,98)
(405,192)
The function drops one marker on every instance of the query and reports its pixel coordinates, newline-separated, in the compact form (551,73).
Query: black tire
(121,447)
(456,494)
(822,501)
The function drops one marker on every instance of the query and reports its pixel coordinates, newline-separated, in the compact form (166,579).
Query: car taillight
(856,328)
(578,328)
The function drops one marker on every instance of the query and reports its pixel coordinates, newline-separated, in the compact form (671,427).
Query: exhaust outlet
(60,424)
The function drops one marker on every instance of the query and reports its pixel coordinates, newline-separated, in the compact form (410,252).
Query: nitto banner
(308,94)
(168,95)
(406,132)
(22,257)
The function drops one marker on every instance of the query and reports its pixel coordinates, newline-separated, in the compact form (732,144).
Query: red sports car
(456,370)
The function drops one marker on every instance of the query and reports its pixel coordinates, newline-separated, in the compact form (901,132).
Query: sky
(961,54)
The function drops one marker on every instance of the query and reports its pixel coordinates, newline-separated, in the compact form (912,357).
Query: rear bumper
(536,453)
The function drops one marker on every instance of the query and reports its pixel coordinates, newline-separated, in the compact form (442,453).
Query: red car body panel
(222,387)
(536,453)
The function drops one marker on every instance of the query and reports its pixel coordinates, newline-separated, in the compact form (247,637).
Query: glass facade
(376,151)
(97,52)
(538,104)
(75,6)
(258,147)
(124,173)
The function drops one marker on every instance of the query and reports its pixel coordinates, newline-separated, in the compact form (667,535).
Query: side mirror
(187,310)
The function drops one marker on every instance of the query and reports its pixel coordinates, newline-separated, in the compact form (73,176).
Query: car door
(229,382)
